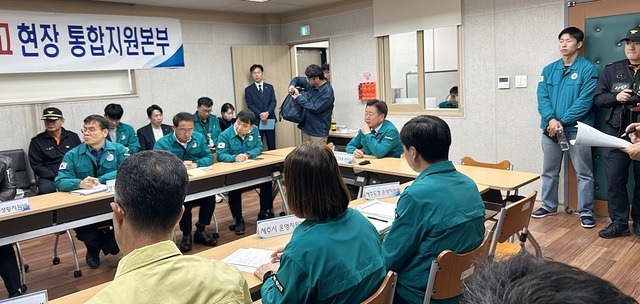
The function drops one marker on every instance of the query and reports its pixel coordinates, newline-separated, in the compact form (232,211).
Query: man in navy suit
(149,134)
(261,100)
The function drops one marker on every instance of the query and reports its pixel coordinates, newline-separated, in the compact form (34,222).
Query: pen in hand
(626,134)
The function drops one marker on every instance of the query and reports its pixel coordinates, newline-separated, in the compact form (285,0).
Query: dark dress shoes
(239,226)
(265,214)
(93,259)
(202,238)
(187,243)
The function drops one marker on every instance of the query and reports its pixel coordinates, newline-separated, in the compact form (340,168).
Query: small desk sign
(38,297)
(277,226)
(14,206)
(381,190)
(344,158)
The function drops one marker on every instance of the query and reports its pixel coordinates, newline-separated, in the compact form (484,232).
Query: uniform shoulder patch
(277,283)
(62,166)
(221,145)
(541,78)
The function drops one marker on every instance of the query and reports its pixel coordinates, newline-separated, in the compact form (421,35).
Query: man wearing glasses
(193,149)
(88,165)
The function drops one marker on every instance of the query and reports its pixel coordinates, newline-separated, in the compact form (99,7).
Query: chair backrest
(513,219)
(450,270)
(505,164)
(20,166)
(384,294)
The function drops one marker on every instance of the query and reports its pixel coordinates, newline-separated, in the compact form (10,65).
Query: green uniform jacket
(441,210)
(230,145)
(78,163)
(567,95)
(211,129)
(386,142)
(126,135)
(333,261)
(197,149)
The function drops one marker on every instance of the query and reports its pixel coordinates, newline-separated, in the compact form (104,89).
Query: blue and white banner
(50,42)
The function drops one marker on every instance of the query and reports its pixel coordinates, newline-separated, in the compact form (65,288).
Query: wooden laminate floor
(561,238)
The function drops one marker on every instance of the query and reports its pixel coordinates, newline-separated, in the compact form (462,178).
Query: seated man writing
(192,148)
(150,189)
(238,144)
(90,164)
(377,136)
(429,217)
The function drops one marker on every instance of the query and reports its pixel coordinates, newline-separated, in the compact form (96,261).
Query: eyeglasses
(90,130)
(185,131)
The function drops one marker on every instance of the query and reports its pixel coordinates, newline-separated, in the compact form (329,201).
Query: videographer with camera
(618,90)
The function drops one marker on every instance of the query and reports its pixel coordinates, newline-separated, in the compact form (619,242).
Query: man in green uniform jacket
(239,144)
(191,147)
(377,136)
(206,123)
(119,132)
(430,218)
(90,164)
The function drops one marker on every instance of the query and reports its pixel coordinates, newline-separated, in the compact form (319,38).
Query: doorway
(311,53)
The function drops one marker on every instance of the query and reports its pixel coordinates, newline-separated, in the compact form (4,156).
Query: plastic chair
(386,291)
(514,220)
(493,198)
(450,270)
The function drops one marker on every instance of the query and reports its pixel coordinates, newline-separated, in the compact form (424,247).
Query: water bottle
(562,140)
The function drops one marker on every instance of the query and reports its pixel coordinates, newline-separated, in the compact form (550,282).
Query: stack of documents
(249,259)
(380,214)
(95,189)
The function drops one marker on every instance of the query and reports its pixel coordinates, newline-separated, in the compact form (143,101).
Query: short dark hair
(380,105)
(182,116)
(325,67)
(315,189)
(102,122)
(429,135)
(524,279)
(253,67)
(314,71)
(246,116)
(574,32)
(151,187)
(454,89)
(114,110)
(205,101)
(226,107)
(152,108)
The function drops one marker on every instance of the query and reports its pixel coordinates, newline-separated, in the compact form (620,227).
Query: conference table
(341,139)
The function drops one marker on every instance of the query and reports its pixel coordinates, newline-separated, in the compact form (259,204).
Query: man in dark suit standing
(261,100)
(149,134)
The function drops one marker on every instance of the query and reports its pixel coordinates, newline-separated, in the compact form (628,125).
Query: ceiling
(272,7)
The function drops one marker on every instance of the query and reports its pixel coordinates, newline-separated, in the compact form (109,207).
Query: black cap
(51,113)
(633,34)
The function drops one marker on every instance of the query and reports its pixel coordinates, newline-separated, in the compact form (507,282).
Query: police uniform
(80,163)
(383,142)
(230,145)
(615,78)
(126,135)
(430,218)
(210,129)
(196,150)
(45,156)
(333,261)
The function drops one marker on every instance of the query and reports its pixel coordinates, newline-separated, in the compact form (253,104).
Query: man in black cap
(617,91)
(47,149)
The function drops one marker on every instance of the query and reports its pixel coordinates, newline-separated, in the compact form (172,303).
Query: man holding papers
(261,100)
(377,136)
(88,165)
(429,217)
(565,96)
(617,91)
(239,144)
(193,149)
(150,189)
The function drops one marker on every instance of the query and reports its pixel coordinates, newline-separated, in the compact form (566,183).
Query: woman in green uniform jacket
(334,256)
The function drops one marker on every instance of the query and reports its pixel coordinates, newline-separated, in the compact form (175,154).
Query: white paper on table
(590,136)
(249,259)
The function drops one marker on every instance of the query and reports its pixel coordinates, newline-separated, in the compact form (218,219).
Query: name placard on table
(14,206)
(277,226)
(344,158)
(381,190)
(38,297)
